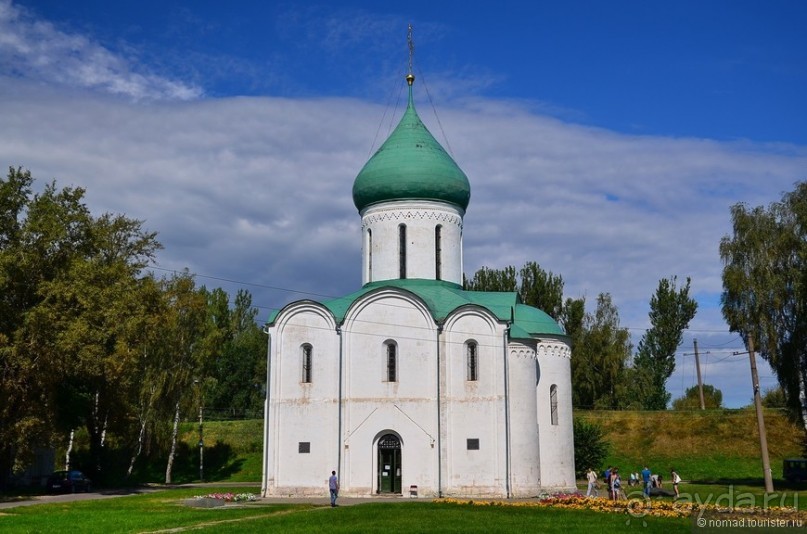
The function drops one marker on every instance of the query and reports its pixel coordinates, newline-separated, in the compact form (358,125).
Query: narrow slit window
(402,251)
(438,230)
(369,255)
(306,363)
(553,403)
(473,361)
(392,362)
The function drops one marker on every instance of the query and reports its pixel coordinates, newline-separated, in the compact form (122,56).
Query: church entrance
(389,464)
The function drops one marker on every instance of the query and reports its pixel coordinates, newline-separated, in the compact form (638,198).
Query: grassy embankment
(707,447)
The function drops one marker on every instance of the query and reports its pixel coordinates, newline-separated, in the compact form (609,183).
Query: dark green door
(389,464)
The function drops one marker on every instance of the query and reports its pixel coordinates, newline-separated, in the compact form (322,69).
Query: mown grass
(439,517)
(137,513)
(165,510)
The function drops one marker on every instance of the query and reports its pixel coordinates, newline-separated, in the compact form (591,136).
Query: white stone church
(412,385)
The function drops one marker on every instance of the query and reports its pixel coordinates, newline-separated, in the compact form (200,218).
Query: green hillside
(704,446)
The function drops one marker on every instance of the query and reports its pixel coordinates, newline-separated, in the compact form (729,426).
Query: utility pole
(763,438)
(201,444)
(698,368)
(199,392)
(700,381)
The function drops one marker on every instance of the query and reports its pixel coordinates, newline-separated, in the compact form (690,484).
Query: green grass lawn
(165,510)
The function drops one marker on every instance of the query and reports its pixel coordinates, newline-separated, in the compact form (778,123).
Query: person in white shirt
(592,482)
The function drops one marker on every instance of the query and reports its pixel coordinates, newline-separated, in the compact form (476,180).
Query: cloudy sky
(604,140)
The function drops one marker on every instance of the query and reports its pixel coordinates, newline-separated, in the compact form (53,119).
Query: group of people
(613,480)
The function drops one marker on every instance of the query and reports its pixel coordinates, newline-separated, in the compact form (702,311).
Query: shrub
(590,446)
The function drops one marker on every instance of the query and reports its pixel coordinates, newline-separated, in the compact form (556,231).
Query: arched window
(472,361)
(438,230)
(402,251)
(553,404)
(306,363)
(391,361)
(369,255)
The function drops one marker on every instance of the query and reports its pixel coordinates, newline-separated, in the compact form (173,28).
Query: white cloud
(258,190)
(38,50)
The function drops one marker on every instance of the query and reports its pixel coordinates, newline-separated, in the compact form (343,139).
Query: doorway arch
(388,452)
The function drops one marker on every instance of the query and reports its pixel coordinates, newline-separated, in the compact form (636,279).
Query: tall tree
(535,287)
(486,279)
(671,310)
(541,289)
(600,358)
(185,348)
(765,288)
(66,285)
(240,366)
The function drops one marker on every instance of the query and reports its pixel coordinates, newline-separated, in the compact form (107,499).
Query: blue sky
(732,69)
(604,140)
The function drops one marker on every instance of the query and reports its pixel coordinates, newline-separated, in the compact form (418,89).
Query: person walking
(592,482)
(675,481)
(616,484)
(333,486)
(646,480)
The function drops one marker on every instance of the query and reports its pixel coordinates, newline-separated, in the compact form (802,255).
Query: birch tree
(765,288)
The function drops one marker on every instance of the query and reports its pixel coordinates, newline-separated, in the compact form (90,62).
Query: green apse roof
(442,298)
(411,164)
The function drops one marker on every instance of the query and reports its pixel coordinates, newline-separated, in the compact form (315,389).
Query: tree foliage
(600,357)
(240,363)
(601,348)
(66,282)
(89,340)
(671,310)
(765,288)
(535,287)
(590,446)
(712,398)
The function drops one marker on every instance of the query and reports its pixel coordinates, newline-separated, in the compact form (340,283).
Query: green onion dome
(411,164)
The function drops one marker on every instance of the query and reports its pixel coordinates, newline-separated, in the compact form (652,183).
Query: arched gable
(388,308)
(304,313)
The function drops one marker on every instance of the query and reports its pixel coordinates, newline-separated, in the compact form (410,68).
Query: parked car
(794,469)
(68,482)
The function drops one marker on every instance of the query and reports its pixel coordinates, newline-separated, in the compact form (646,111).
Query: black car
(68,482)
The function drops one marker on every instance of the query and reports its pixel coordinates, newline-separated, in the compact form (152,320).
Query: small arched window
(391,361)
(472,361)
(553,404)
(306,358)
(438,251)
(402,251)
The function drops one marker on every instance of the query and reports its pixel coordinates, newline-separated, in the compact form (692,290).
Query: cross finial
(410,77)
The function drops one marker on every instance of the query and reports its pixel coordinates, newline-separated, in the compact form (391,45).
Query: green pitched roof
(442,298)
(411,164)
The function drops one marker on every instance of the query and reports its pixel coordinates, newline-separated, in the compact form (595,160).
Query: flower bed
(228,497)
(643,507)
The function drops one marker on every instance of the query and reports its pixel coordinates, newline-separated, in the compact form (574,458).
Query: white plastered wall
(294,405)
(556,441)
(526,459)
(381,253)
(474,409)
(374,406)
